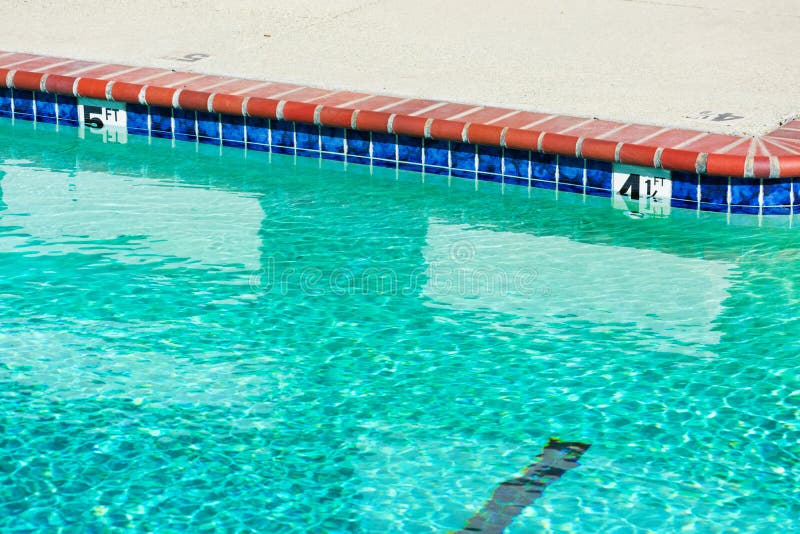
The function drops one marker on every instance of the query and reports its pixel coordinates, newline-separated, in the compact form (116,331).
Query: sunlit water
(201,340)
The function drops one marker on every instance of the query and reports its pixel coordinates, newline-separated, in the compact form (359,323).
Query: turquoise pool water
(202,339)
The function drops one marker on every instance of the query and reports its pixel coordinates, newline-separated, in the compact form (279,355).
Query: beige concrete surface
(661,62)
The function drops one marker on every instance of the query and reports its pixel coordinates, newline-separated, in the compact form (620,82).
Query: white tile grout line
(290,91)
(465,113)
(651,135)
(540,121)
(584,123)
(689,141)
(393,104)
(503,117)
(733,145)
(427,109)
(253,88)
(356,101)
(119,72)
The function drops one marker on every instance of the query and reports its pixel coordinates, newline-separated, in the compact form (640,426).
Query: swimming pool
(199,338)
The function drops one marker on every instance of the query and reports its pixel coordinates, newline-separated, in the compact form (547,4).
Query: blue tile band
(457,159)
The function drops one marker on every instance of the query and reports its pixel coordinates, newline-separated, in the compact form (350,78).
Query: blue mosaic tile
(23,103)
(161,122)
(776,210)
(777,192)
(462,160)
(258,134)
(516,163)
(489,177)
(184,124)
(282,134)
(46,107)
(570,174)
(136,116)
(543,170)
(598,176)
(796,191)
(332,141)
(232,130)
(490,159)
(307,137)
(684,190)
(332,156)
(384,146)
(437,156)
(208,127)
(289,151)
(744,195)
(384,163)
(68,110)
(5,102)
(409,149)
(358,160)
(513,180)
(413,167)
(714,192)
(357,146)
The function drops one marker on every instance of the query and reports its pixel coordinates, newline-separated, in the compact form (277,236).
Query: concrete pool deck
(723,66)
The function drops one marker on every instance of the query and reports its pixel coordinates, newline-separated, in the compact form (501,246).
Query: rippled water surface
(195,339)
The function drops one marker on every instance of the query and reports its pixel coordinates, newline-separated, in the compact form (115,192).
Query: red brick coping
(774,155)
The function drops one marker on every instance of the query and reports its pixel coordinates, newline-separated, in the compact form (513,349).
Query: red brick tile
(599,149)
(376,102)
(633,133)
(633,154)
(207,83)
(58,84)
(134,76)
(159,96)
(789,166)
(781,149)
(70,67)
(559,144)
(485,115)
(306,94)
(27,80)
(558,123)
(91,88)
(336,117)
(594,129)
(412,106)
(374,121)
(125,92)
(299,112)
(262,107)
(483,134)
(273,89)
(195,100)
(785,133)
(14,59)
(725,165)
(741,147)
(406,125)
(679,160)
(761,167)
(670,138)
(228,104)
(446,111)
(40,63)
(522,139)
(522,119)
(711,143)
(338,98)
(446,130)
